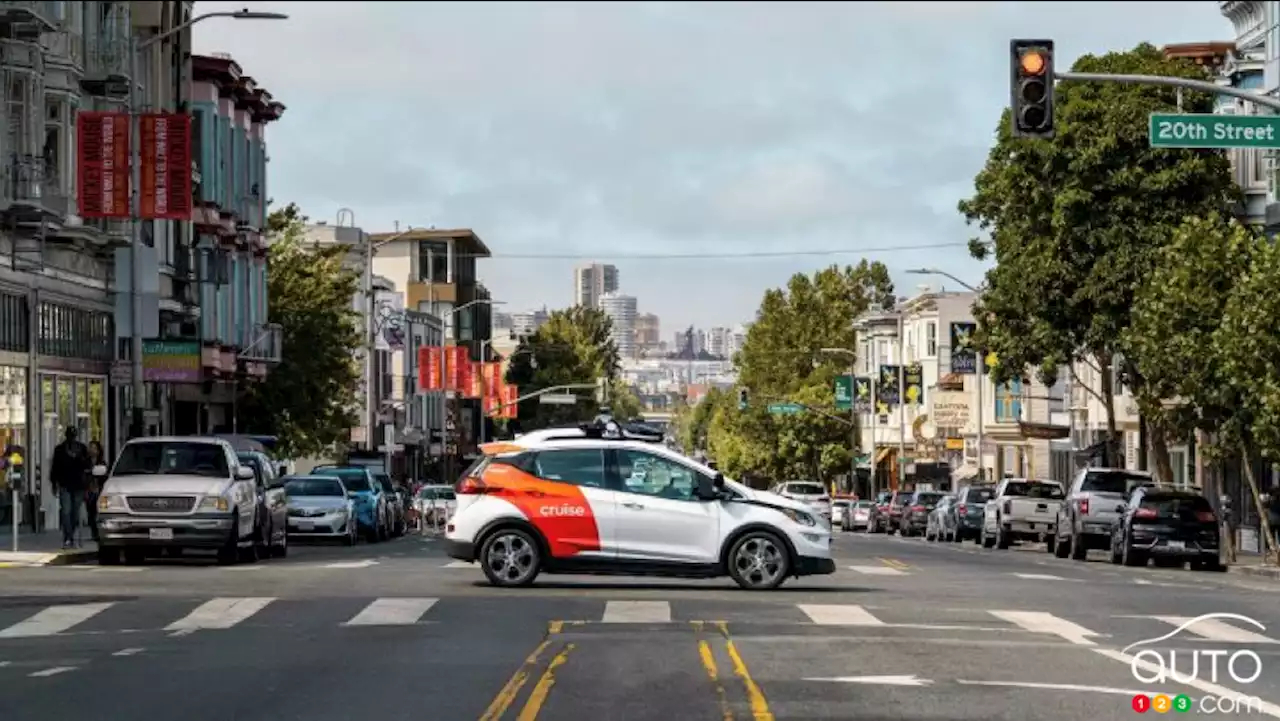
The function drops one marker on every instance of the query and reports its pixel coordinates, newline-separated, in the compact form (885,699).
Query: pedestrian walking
(93,487)
(1273,513)
(69,473)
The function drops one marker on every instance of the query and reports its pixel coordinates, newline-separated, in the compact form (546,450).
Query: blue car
(372,504)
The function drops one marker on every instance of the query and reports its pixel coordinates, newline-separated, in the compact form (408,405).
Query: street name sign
(1200,130)
(557,399)
(785,409)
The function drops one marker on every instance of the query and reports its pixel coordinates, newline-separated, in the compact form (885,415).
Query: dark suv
(915,512)
(1169,526)
(970,502)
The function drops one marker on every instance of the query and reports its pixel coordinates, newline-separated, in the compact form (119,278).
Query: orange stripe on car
(559,511)
(499,447)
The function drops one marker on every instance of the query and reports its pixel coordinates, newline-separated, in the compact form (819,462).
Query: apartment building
(621,310)
(592,281)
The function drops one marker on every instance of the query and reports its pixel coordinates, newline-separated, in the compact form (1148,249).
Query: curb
(29,559)
(1271,572)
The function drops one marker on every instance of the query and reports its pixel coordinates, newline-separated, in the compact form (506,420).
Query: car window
(579,466)
(979,495)
(1176,504)
(1033,490)
(928,498)
(651,475)
(173,457)
(1111,482)
(439,494)
(805,489)
(387,486)
(865,504)
(324,487)
(355,479)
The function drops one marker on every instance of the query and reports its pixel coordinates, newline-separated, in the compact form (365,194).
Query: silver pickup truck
(1089,512)
(1021,509)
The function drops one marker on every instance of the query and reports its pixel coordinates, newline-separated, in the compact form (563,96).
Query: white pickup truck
(1021,509)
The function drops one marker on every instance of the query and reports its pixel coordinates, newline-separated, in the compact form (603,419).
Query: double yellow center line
(541,690)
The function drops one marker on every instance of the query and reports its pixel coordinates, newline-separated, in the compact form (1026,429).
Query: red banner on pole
(165,171)
(459,356)
(429,368)
(509,396)
(468,383)
(102,164)
(492,377)
(490,405)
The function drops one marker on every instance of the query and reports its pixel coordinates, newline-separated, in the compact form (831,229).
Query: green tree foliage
(1077,223)
(782,360)
(693,422)
(308,401)
(623,402)
(573,346)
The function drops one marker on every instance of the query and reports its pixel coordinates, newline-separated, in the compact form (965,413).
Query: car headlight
(216,504)
(111,502)
(800,517)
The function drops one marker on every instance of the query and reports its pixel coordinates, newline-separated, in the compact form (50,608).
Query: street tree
(572,347)
(1076,223)
(309,400)
(782,360)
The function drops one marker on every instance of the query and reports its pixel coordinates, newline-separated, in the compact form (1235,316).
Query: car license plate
(1176,545)
(161,534)
(303,526)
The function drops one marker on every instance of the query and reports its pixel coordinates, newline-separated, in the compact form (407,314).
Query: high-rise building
(528,322)
(592,281)
(621,309)
(648,329)
(719,342)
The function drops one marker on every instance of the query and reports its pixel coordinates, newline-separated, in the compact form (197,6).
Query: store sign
(950,409)
(171,361)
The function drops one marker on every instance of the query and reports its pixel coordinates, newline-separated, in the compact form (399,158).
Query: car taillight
(962,508)
(1206,516)
(918,509)
(1144,513)
(1084,506)
(471,486)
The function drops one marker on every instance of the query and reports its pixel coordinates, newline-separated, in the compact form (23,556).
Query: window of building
(883,354)
(1009,402)
(57,152)
(16,111)
(433,261)
(931,339)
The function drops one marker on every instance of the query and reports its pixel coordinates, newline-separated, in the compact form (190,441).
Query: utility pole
(902,405)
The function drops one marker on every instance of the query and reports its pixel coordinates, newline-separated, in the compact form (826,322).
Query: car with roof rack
(609,498)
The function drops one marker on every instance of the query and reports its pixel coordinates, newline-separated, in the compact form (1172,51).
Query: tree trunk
(1160,449)
(1264,524)
(1113,458)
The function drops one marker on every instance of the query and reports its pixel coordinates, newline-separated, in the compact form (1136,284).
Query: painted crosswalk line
(220,613)
(878,570)
(54,620)
(392,612)
(839,615)
(637,612)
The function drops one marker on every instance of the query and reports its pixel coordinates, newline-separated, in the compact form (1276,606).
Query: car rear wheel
(510,557)
(758,561)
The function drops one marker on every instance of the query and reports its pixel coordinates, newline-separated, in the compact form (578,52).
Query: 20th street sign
(1200,130)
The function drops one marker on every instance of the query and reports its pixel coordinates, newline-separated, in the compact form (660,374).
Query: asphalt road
(905,630)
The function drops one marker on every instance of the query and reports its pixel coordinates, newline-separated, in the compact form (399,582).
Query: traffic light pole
(1185,83)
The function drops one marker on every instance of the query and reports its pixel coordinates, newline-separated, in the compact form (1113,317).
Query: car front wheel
(758,561)
(510,557)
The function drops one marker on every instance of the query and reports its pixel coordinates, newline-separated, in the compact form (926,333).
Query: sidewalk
(43,549)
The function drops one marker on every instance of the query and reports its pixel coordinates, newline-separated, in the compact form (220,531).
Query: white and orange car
(612,500)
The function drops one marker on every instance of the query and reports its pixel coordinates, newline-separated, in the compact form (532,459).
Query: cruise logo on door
(563,510)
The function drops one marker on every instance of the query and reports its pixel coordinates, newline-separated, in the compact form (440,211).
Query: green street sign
(1200,130)
(844,393)
(785,409)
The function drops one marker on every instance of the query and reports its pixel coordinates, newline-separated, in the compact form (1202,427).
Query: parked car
(435,505)
(321,507)
(860,516)
(941,525)
(1090,512)
(891,517)
(811,493)
(1169,526)
(914,515)
(373,510)
(1022,509)
(272,499)
(178,493)
(396,508)
(880,513)
(971,502)
(839,509)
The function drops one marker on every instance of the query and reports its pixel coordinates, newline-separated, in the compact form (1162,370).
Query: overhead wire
(606,256)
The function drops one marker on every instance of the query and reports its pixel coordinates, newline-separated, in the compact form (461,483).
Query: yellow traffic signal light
(1031,88)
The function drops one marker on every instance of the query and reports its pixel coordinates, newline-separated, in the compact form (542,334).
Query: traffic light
(1031,85)
(742,398)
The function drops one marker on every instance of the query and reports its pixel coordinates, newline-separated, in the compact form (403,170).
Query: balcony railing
(28,182)
(43,13)
(266,344)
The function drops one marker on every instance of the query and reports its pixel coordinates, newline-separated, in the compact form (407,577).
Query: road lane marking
(755,697)
(1057,687)
(839,615)
(902,680)
(1042,577)
(392,612)
(128,652)
(709,664)
(637,612)
(459,564)
(542,689)
(1208,687)
(220,613)
(54,620)
(351,564)
(1216,630)
(1041,622)
(878,570)
(51,671)
(507,694)
(893,563)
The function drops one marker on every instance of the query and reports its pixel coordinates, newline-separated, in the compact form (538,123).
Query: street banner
(964,357)
(887,388)
(862,394)
(469,379)
(459,355)
(102,164)
(844,393)
(913,377)
(165,171)
(490,403)
(491,378)
(429,368)
(509,395)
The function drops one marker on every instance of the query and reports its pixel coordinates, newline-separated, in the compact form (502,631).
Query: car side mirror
(718,480)
(244,473)
(706,489)
(282,470)
(99,471)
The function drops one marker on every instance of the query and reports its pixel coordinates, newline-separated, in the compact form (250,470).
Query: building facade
(648,334)
(591,281)
(1252,64)
(621,310)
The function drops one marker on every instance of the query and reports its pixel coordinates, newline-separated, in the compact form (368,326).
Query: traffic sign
(844,393)
(1201,130)
(557,399)
(785,409)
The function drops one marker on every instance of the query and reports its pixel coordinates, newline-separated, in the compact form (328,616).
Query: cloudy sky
(709,150)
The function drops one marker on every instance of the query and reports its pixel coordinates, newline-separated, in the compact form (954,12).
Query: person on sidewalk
(68,474)
(1272,501)
(93,487)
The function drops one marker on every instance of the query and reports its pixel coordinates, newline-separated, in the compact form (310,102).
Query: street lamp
(444,361)
(135,178)
(981,365)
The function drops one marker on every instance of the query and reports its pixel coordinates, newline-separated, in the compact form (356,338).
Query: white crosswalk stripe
(839,615)
(878,571)
(1215,629)
(637,612)
(351,564)
(219,613)
(459,564)
(392,612)
(54,620)
(1041,577)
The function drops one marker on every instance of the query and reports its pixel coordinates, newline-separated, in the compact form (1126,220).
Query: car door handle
(638,506)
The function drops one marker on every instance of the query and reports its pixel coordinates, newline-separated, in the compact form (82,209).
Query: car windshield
(928,499)
(1032,489)
(1175,505)
(979,495)
(1112,482)
(805,489)
(355,479)
(439,494)
(298,487)
(188,458)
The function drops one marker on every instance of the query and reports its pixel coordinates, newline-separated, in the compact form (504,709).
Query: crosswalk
(180,617)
